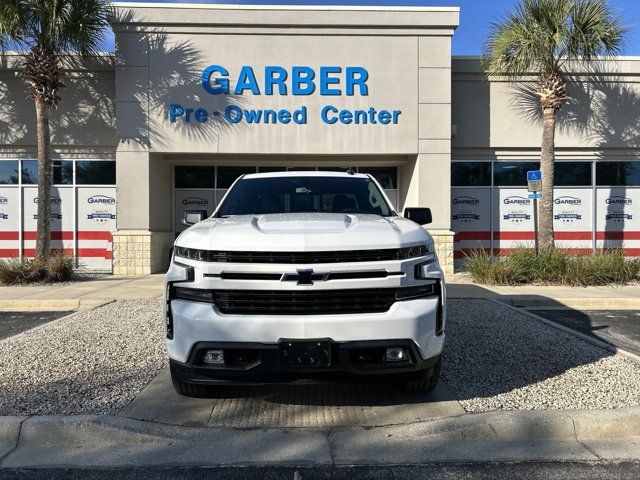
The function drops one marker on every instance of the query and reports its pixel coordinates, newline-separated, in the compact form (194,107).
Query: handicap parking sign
(534,175)
(534,180)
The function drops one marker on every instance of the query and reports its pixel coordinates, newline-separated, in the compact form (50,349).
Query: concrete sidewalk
(95,441)
(548,296)
(80,294)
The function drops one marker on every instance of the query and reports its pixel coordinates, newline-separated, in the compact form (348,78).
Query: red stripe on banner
(530,235)
(60,235)
(95,253)
(573,235)
(9,252)
(462,236)
(513,236)
(95,235)
(618,235)
(57,235)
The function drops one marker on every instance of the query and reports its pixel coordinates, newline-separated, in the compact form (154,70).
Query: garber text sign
(297,81)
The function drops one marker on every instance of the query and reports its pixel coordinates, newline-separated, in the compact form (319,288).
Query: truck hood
(303,232)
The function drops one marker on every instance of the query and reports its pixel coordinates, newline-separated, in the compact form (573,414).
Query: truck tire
(187,389)
(428,383)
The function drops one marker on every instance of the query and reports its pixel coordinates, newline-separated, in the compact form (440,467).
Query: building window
(387,177)
(228,175)
(9,172)
(62,172)
(572,174)
(624,174)
(471,174)
(30,172)
(512,174)
(95,173)
(195,176)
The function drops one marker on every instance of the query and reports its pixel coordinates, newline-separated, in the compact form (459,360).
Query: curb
(111,441)
(582,336)
(560,303)
(52,305)
(557,303)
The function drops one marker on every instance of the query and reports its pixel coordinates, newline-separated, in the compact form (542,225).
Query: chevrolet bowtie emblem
(304,277)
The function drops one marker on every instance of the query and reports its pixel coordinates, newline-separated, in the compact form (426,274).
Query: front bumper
(260,364)
(196,322)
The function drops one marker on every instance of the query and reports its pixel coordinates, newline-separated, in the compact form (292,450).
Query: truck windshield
(304,194)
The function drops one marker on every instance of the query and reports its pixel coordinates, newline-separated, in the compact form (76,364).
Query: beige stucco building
(196,95)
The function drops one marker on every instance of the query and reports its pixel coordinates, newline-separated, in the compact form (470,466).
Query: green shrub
(601,268)
(16,271)
(552,266)
(485,268)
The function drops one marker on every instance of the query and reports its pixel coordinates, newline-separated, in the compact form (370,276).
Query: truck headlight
(192,254)
(430,258)
(430,255)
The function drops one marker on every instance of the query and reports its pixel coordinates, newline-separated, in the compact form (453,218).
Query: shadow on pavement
(619,328)
(319,405)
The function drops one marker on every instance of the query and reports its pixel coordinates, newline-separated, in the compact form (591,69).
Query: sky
(475,17)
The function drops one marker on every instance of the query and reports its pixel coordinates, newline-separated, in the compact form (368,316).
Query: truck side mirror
(191,217)
(420,215)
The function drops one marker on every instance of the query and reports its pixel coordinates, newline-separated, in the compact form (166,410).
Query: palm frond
(85,26)
(13,21)
(540,35)
(595,31)
(61,25)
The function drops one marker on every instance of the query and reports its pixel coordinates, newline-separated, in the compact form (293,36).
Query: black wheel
(187,389)
(427,384)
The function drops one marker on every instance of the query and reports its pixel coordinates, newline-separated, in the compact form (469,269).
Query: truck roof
(305,173)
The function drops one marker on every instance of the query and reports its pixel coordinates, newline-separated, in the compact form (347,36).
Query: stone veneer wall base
(141,252)
(443,242)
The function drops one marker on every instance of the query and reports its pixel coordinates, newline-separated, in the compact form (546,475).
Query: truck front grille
(318,302)
(304,302)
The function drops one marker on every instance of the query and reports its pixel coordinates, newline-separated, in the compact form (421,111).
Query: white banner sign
(192,200)
(9,222)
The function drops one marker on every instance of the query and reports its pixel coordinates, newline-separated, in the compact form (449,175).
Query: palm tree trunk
(43,238)
(547,159)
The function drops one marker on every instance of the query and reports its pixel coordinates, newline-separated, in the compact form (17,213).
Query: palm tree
(538,39)
(46,30)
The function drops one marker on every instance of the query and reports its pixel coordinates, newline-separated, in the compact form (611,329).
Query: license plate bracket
(305,353)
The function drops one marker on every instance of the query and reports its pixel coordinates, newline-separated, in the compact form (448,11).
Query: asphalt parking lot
(436,471)
(13,323)
(620,328)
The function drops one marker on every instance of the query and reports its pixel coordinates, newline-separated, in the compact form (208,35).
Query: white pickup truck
(304,276)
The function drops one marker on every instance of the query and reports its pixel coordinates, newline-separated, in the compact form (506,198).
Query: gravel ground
(98,360)
(93,362)
(496,358)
